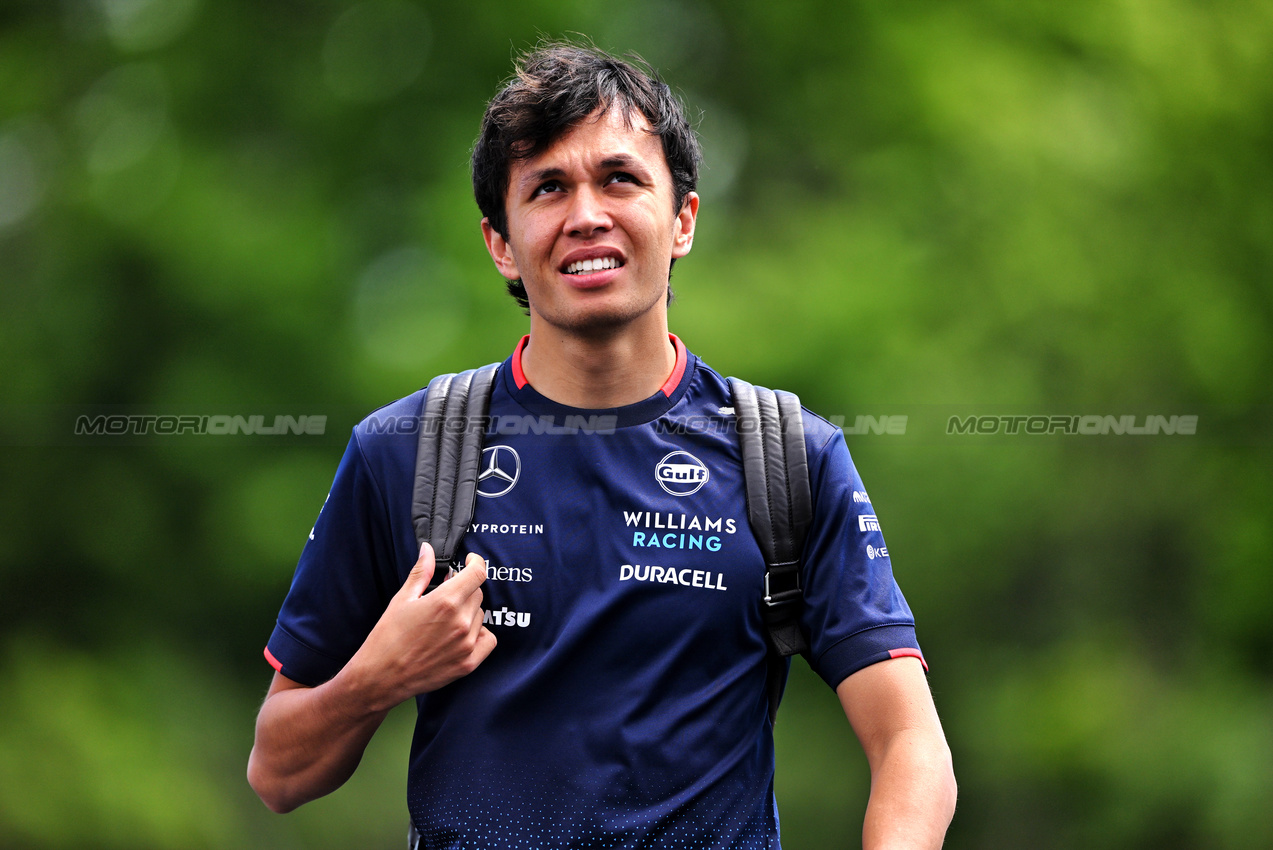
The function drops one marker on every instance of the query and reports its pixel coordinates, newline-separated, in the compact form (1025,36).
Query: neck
(597,372)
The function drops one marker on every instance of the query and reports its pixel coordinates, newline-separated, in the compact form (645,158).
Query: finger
(485,645)
(469,579)
(418,579)
(476,620)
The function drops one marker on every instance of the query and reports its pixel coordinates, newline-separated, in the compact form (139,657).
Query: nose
(587,214)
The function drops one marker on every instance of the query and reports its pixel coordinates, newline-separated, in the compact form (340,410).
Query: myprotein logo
(501,467)
(680,473)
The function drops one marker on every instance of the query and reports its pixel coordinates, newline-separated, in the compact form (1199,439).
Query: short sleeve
(343,581)
(854,612)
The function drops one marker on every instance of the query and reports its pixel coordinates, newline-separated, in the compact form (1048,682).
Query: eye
(546,187)
(621,177)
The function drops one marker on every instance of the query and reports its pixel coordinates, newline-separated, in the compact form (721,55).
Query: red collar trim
(519,377)
(669,386)
(678,371)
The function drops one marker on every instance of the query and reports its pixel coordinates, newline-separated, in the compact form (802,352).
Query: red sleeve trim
(519,377)
(907,652)
(674,379)
(274,662)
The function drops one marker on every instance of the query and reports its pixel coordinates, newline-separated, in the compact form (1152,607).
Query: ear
(683,227)
(500,251)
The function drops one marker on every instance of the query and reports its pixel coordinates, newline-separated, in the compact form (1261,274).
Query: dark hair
(555,87)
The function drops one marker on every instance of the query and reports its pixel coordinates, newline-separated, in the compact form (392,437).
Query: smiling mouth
(599,264)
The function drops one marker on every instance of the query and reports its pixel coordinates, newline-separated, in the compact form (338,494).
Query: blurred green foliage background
(909,208)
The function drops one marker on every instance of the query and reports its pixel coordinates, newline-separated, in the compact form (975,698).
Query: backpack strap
(779,509)
(448,460)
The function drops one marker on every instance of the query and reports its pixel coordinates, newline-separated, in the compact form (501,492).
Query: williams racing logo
(501,467)
(680,473)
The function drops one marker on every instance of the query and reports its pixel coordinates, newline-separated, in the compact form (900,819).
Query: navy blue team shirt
(625,703)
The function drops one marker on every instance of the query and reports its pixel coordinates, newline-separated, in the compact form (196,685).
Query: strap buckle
(790,575)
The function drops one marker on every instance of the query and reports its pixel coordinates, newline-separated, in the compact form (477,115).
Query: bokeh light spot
(122,117)
(20,186)
(408,305)
(375,49)
(146,24)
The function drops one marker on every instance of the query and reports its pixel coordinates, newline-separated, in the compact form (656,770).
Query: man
(611,690)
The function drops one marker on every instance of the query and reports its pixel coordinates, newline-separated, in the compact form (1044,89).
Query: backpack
(775,469)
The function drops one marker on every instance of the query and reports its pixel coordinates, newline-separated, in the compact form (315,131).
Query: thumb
(418,579)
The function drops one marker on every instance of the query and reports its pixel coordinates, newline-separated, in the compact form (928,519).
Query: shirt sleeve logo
(680,473)
(501,467)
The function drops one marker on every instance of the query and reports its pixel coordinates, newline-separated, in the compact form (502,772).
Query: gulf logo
(680,473)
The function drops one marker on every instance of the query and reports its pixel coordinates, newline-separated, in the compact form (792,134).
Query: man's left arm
(912,779)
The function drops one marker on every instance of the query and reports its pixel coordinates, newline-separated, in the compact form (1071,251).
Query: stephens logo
(501,467)
(680,473)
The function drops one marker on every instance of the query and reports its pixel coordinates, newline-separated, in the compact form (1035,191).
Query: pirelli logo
(868,522)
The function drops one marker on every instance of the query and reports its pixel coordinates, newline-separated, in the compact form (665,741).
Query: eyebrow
(618,161)
(540,176)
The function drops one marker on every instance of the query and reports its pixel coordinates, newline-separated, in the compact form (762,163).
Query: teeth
(585,266)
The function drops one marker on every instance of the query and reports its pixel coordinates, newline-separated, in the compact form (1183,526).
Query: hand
(424,641)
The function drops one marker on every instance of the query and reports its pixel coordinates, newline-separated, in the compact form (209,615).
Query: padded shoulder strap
(779,509)
(448,460)
(779,502)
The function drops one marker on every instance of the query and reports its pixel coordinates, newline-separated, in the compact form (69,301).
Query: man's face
(591,228)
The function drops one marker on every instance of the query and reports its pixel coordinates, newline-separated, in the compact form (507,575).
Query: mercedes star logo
(500,471)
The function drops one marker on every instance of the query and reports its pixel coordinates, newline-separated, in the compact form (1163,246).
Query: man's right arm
(310,740)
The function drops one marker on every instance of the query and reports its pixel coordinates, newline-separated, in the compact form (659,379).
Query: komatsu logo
(868,522)
(505,617)
(680,473)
